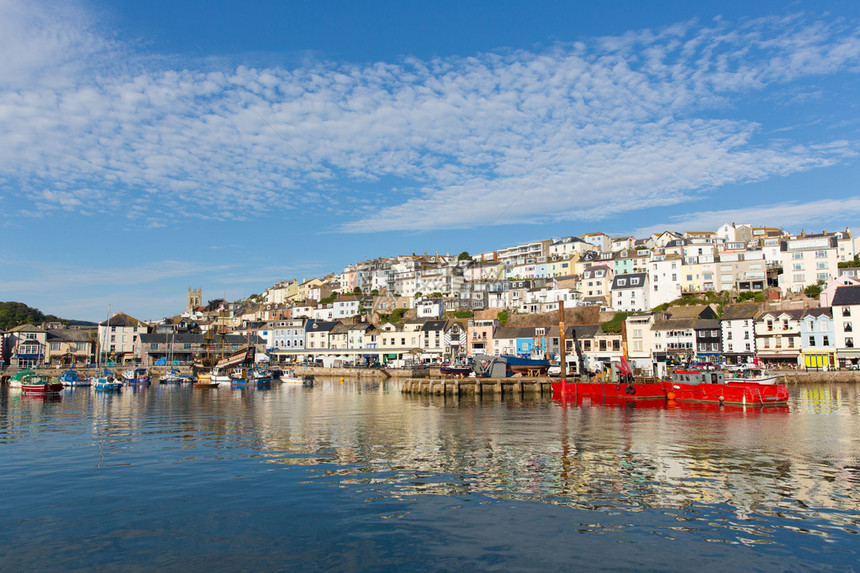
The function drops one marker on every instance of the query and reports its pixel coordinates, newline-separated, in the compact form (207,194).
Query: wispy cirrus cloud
(611,125)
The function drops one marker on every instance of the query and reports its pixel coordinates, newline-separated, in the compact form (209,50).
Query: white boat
(290,377)
(72,379)
(750,373)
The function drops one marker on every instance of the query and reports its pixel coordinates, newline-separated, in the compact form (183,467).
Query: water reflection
(730,474)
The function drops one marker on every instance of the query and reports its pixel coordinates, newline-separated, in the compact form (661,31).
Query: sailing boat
(172,377)
(105,381)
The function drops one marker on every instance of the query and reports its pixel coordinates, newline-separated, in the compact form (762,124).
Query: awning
(848,353)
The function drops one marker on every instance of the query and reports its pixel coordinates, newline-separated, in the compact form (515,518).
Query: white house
(817,348)
(630,292)
(737,330)
(846,324)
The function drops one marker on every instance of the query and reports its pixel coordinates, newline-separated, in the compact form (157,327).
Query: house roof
(434,325)
(628,283)
(846,295)
(122,319)
(741,311)
(819,311)
(196,338)
(68,335)
(692,311)
(323,325)
(795,314)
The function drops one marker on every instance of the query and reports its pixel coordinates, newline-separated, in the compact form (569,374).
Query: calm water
(355,476)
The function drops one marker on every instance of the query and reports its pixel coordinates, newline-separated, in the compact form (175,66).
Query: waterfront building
(289,333)
(778,336)
(846,324)
(737,330)
(640,341)
(69,347)
(480,336)
(119,338)
(27,346)
(817,339)
(318,334)
(599,348)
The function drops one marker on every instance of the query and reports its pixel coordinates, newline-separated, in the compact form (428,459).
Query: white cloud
(791,215)
(467,136)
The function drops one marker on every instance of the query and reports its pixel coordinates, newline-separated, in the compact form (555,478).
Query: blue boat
(250,378)
(136,377)
(106,382)
(72,379)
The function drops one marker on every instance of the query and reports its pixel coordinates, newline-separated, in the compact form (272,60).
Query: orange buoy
(670,396)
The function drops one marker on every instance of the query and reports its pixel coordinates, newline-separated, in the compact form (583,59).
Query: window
(153,346)
(810,325)
(846,311)
(825,340)
(812,341)
(797,267)
(820,254)
(847,327)
(798,278)
(849,343)
(796,256)
(821,265)
(622,282)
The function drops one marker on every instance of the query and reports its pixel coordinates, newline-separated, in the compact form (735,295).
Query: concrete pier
(477,386)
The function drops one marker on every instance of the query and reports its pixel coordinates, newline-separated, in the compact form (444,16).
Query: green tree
(356,290)
(463,314)
(503,318)
(436,294)
(813,291)
(374,292)
(464,256)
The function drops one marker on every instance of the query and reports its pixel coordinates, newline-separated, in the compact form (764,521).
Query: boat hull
(608,390)
(737,393)
(48,388)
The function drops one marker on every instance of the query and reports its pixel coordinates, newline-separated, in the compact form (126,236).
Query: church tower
(195,298)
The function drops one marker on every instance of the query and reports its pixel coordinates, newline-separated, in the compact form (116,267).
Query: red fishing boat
(713,387)
(43,385)
(615,384)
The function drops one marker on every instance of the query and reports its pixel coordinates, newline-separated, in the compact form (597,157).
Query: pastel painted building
(817,349)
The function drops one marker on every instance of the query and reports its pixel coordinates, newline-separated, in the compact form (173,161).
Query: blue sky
(146,147)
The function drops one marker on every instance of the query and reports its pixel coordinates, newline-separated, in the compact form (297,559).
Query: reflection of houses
(816,339)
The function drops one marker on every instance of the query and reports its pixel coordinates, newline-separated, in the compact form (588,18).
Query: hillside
(14,314)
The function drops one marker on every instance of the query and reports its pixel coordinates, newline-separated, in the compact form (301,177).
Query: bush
(812,291)
(503,318)
(463,314)
(614,326)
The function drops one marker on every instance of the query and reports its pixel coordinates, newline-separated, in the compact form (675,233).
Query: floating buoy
(341,380)
(670,396)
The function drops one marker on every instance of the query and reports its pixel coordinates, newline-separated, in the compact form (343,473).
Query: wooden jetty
(513,386)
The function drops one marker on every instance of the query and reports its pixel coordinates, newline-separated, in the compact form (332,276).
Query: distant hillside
(13,314)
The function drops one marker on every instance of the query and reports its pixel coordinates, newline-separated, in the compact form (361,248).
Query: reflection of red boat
(570,399)
(714,387)
(727,409)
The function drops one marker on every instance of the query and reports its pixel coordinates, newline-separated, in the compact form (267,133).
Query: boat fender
(630,389)
(618,386)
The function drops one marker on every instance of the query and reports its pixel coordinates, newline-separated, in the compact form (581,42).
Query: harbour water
(356,476)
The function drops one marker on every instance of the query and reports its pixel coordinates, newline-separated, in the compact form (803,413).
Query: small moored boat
(136,376)
(40,384)
(72,379)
